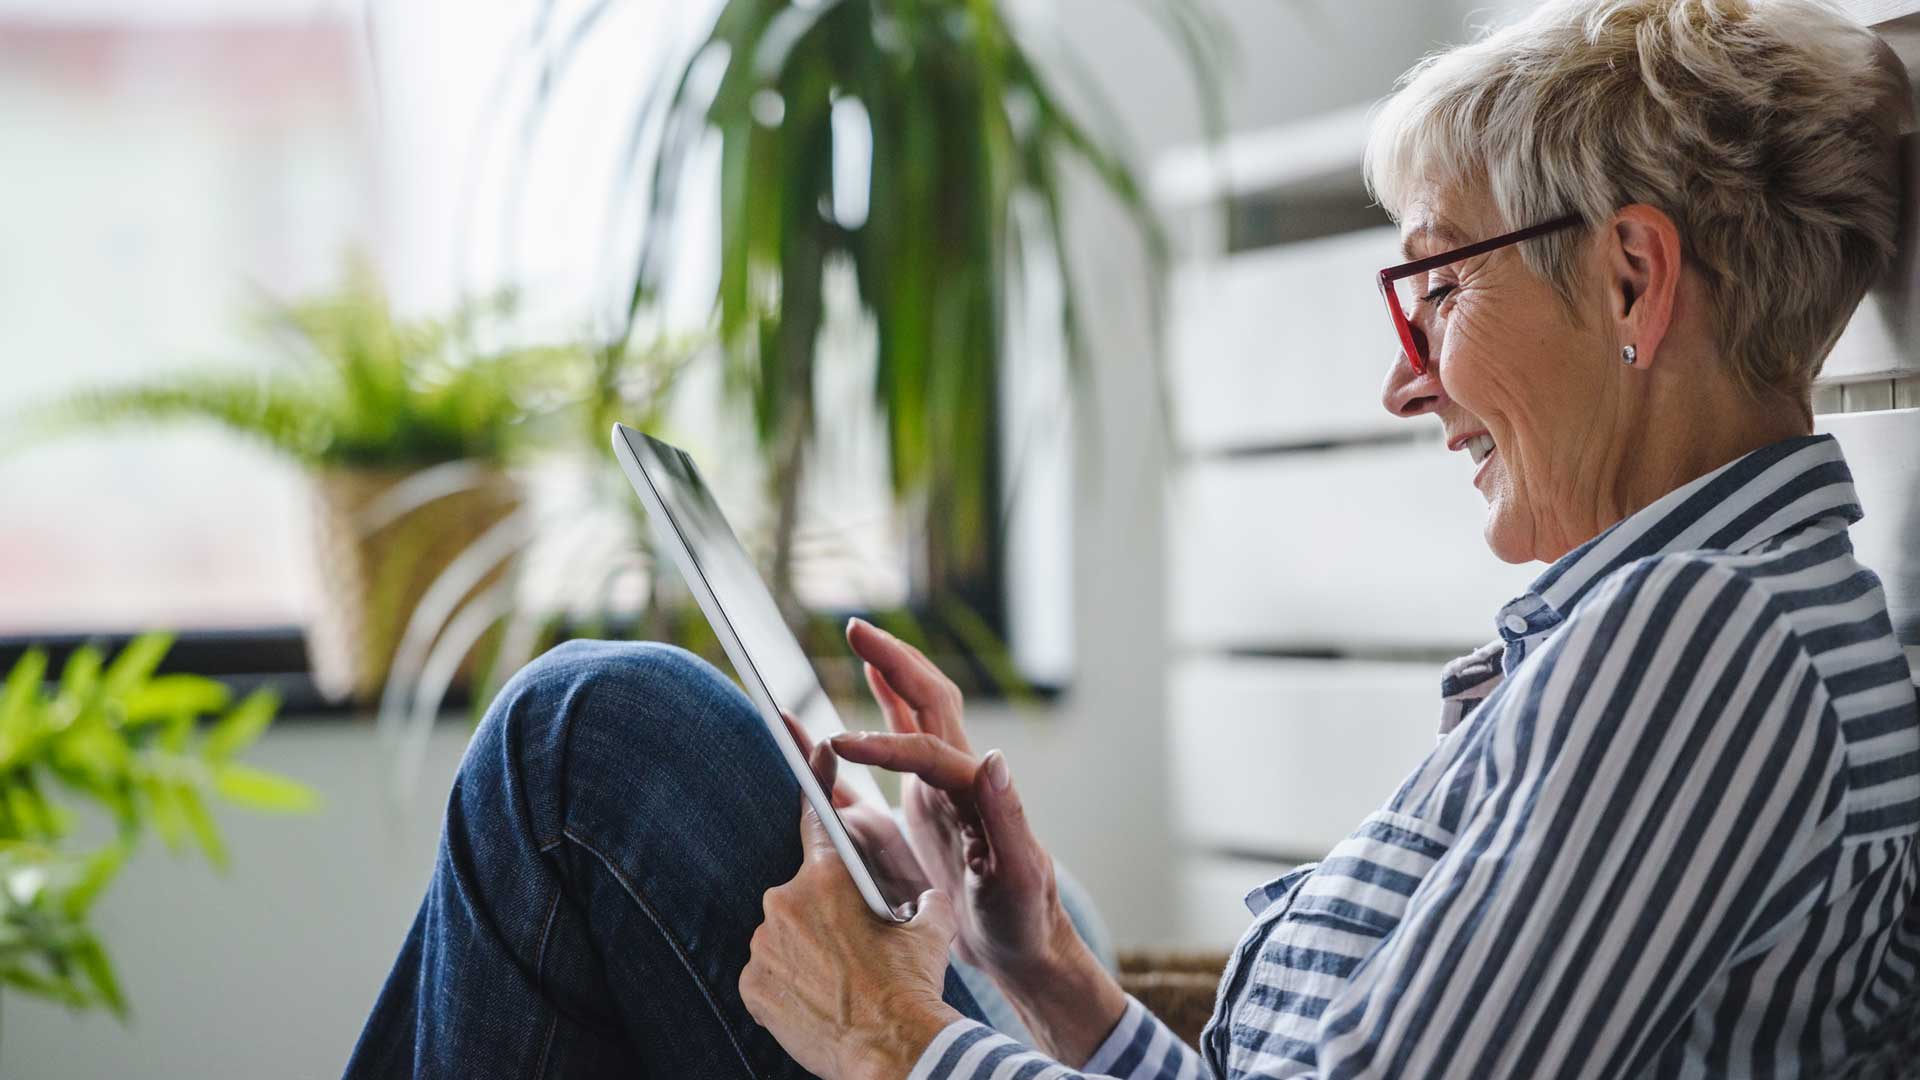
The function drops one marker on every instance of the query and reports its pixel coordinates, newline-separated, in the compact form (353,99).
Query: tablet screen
(773,657)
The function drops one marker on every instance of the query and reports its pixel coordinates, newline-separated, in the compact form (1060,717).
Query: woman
(1670,828)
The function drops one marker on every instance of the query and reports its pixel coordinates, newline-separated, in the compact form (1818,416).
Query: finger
(800,737)
(931,759)
(935,700)
(826,769)
(814,840)
(841,794)
(899,714)
(1011,844)
(933,916)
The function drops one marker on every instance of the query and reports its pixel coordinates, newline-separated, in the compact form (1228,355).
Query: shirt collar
(1737,507)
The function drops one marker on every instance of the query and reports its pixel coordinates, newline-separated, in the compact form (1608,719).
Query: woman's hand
(971,835)
(850,997)
(964,819)
(874,830)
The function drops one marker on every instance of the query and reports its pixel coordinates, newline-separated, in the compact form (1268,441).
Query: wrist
(1065,997)
(1064,959)
(905,1030)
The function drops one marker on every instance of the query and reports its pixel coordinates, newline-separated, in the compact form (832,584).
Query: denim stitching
(634,893)
(546,935)
(546,1045)
(540,974)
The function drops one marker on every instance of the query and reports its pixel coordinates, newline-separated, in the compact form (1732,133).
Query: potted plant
(406,430)
(968,149)
(147,752)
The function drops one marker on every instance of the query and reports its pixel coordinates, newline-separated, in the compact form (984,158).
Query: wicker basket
(373,574)
(1177,987)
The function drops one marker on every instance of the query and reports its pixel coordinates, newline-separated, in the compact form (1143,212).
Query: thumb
(814,839)
(934,917)
(1002,814)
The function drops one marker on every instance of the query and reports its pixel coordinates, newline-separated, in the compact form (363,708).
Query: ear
(1642,272)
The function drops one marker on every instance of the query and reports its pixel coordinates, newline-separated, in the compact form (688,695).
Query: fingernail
(846,736)
(858,621)
(997,773)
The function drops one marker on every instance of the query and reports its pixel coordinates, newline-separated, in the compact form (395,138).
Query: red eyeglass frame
(1413,348)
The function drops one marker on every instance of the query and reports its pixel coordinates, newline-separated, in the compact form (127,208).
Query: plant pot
(377,561)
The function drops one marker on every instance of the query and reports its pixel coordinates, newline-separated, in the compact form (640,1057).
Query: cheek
(1473,369)
(1505,372)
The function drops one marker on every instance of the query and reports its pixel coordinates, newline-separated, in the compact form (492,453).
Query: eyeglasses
(1405,286)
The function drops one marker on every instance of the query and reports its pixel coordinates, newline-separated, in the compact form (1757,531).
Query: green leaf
(201,822)
(92,960)
(176,733)
(166,815)
(23,684)
(27,812)
(174,695)
(98,872)
(80,678)
(18,707)
(263,790)
(93,748)
(136,663)
(243,725)
(64,991)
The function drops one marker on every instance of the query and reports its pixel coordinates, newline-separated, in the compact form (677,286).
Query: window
(181,163)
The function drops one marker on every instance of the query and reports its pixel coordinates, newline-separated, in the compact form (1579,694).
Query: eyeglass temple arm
(1468,252)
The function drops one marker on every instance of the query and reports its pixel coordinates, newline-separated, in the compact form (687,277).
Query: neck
(1689,423)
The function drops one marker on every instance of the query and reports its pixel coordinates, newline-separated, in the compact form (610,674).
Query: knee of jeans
(582,658)
(598,716)
(637,687)
(628,669)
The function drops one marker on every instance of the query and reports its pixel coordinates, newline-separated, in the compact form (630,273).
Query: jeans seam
(679,951)
(546,934)
(546,1044)
(540,974)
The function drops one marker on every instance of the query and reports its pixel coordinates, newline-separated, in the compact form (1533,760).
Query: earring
(1628,354)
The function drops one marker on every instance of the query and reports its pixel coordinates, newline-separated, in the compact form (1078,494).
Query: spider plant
(969,150)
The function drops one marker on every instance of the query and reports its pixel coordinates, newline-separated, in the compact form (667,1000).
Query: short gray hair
(1766,129)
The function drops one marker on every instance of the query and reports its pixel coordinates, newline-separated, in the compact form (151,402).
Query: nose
(1405,393)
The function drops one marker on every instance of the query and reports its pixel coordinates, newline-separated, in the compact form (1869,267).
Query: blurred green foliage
(358,386)
(148,752)
(972,145)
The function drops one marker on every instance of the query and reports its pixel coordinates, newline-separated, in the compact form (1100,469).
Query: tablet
(769,661)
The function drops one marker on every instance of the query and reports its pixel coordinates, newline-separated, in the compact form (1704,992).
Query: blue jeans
(617,817)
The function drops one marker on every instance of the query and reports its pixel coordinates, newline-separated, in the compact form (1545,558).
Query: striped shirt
(1668,829)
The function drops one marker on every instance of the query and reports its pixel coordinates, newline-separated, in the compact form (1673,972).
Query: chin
(1508,541)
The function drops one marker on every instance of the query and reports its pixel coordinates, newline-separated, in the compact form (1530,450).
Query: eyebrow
(1446,235)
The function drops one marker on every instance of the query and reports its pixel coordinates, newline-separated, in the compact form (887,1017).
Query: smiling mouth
(1479,447)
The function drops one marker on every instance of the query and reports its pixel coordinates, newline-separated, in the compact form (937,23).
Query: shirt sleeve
(1661,794)
(1140,1047)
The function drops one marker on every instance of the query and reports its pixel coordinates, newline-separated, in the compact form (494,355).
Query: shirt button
(1516,624)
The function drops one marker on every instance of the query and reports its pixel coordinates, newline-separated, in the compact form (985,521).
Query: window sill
(248,658)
